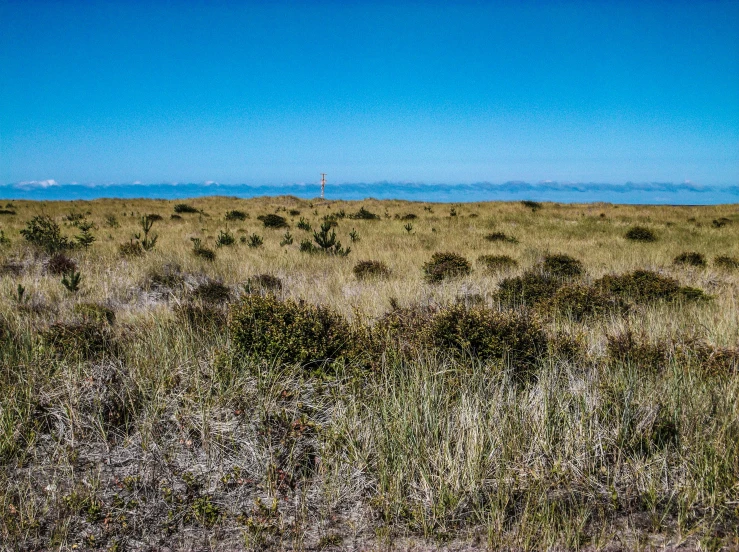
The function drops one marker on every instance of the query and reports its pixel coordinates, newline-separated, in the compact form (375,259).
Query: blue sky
(277,92)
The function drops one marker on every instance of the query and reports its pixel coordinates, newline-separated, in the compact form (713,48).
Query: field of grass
(192,379)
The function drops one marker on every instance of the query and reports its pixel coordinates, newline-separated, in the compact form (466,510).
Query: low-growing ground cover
(191,386)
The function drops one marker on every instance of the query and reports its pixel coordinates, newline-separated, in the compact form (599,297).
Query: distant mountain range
(630,192)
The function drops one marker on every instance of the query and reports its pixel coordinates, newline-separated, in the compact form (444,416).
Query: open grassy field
(243,382)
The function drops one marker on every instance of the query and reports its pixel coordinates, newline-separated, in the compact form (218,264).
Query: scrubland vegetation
(284,374)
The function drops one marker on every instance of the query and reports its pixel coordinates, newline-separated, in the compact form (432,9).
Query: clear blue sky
(368,91)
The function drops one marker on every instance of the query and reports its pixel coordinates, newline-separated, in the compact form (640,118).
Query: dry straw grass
(134,414)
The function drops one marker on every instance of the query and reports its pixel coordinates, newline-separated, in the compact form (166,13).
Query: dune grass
(273,397)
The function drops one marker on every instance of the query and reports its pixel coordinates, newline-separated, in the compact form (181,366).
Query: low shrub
(293,212)
(579,301)
(364,214)
(268,329)
(644,286)
(533,205)
(185,208)
(529,289)
(255,240)
(95,312)
(202,315)
(130,249)
(710,359)
(154,217)
(720,222)
(370,269)
(640,234)
(447,265)
(236,215)
(512,337)
(175,217)
(80,340)
(635,350)
(212,292)
(500,237)
(409,216)
(225,238)
(725,262)
(691,258)
(261,283)
(562,266)
(497,263)
(199,250)
(166,276)
(273,221)
(44,233)
(60,264)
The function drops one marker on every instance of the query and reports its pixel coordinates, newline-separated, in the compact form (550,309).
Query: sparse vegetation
(277,400)
(236,215)
(690,258)
(500,237)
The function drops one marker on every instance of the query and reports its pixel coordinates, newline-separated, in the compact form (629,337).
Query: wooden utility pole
(323,183)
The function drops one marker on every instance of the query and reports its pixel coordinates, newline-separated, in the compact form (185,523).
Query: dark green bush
(44,233)
(446,265)
(691,258)
(268,329)
(726,262)
(154,217)
(293,212)
(644,286)
(533,205)
(304,225)
(500,237)
(364,214)
(255,240)
(225,238)
(199,250)
(325,242)
(185,208)
(80,340)
(579,301)
(721,222)
(236,215)
(370,269)
(529,289)
(562,266)
(60,264)
(409,216)
(95,312)
(212,292)
(641,234)
(635,350)
(509,336)
(273,221)
(261,283)
(497,263)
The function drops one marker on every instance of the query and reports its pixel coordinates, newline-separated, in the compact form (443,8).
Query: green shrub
(199,250)
(446,265)
(515,338)
(364,214)
(635,350)
(529,289)
(130,249)
(326,242)
(409,216)
(213,292)
(185,208)
(562,266)
(44,233)
(60,264)
(255,240)
(641,234)
(293,212)
(721,222)
(304,225)
(225,238)
(95,312)
(497,263)
(370,269)
(533,205)
(261,283)
(641,286)
(500,237)
(236,215)
(80,340)
(691,258)
(273,221)
(725,262)
(268,329)
(579,301)
(154,217)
